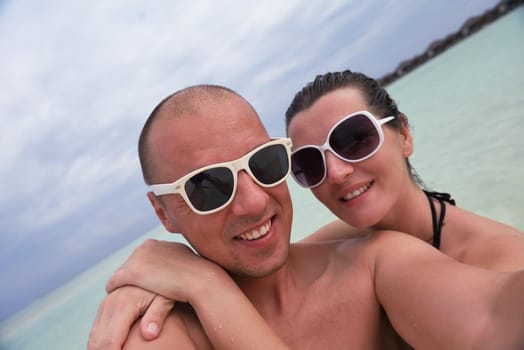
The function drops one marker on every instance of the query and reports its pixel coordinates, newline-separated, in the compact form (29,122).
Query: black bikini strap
(440,196)
(437,225)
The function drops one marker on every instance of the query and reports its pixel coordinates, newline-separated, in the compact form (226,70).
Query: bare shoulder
(182,330)
(361,252)
(362,256)
(478,225)
(370,243)
(389,247)
(477,240)
(335,230)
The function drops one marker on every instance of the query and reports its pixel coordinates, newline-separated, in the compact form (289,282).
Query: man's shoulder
(335,230)
(341,254)
(181,329)
(366,248)
(350,253)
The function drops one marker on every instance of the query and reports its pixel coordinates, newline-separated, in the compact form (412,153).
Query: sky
(79,78)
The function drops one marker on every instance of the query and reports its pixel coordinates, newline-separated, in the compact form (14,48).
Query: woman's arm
(434,302)
(171,269)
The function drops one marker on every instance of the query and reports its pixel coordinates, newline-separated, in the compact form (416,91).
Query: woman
(355,161)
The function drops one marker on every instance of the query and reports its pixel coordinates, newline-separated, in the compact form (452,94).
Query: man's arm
(435,302)
(120,309)
(228,318)
(174,334)
(179,332)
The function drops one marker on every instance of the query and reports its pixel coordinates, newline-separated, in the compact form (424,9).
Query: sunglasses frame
(377,124)
(242,163)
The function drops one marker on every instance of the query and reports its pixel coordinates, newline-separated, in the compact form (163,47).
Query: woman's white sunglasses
(355,138)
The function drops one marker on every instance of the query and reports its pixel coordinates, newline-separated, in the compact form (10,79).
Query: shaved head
(184,103)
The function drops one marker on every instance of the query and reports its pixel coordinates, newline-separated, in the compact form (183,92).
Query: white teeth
(256,233)
(356,192)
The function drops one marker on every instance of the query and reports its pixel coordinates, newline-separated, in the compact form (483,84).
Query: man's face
(223,132)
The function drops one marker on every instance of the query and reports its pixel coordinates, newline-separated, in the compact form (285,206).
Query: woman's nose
(337,170)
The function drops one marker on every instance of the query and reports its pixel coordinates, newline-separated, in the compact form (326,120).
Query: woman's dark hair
(376,97)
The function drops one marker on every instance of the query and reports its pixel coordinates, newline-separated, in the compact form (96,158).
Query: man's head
(198,127)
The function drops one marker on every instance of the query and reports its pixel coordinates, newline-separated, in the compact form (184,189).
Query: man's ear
(161,213)
(407,138)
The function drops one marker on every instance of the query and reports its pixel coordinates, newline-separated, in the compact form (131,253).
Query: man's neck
(269,291)
(281,292)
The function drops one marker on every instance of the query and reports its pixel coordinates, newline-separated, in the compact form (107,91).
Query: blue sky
(80,78)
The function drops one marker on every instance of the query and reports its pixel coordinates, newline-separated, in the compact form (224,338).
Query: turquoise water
(466,108)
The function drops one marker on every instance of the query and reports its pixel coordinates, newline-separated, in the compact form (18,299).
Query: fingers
(153,320)
(115,316)
(121,278)
(167,268)
(95,341)
(126,273)
(144,258)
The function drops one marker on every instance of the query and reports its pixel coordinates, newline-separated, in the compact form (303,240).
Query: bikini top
(437,225)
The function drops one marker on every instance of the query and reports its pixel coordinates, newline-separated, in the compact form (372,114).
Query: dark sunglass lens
(270,164)
(354,138)
(307,166)
(210,189)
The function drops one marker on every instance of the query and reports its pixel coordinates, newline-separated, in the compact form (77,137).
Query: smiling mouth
(357,192)
(256,233)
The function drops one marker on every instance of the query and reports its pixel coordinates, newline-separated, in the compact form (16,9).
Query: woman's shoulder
(477,240)
(465,225)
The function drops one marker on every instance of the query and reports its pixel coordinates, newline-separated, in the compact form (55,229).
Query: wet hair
(377,98)
(183,102)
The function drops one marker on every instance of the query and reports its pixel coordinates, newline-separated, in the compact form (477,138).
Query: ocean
(466,108)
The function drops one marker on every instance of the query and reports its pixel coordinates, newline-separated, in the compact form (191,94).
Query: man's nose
(250,198)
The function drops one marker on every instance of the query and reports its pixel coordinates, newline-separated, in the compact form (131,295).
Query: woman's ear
(161,213)
(407,138)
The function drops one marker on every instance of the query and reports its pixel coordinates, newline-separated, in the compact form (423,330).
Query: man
(232,205)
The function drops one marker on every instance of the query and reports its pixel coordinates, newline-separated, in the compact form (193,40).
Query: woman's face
(363,193)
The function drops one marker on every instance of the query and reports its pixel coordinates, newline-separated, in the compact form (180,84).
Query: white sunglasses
(209,189)
(355,138)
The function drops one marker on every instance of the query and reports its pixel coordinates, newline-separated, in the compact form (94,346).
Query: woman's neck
(410,214)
